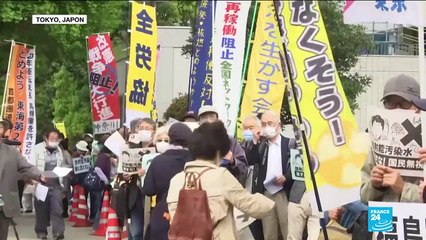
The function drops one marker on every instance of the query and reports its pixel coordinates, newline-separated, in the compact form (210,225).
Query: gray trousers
(4,226)
(50,211)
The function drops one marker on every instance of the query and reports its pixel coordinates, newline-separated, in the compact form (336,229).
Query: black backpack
(92,181)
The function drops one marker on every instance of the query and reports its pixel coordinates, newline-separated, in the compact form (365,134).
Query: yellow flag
(265,85)
(61,127)
(337,146)
(142,62)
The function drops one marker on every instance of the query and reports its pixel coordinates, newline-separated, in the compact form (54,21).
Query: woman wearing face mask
(142,134)
(163,168)
(161,140)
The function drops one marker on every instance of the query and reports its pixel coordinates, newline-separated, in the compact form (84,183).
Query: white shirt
(274,168)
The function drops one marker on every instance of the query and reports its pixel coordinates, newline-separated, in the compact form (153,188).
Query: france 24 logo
(380,219)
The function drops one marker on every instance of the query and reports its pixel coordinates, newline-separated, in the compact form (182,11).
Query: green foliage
(177,108)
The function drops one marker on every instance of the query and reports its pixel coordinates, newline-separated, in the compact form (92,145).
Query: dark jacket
(258,156)
(239,169)
(103,162)
(157,181)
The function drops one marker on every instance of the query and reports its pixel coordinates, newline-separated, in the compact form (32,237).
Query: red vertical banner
(103,78)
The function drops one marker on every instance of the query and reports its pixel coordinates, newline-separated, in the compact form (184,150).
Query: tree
(345,55)
(177,108)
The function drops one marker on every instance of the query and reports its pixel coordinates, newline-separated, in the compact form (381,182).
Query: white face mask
(269,132)
(53,144)
(162,146)
(145,136)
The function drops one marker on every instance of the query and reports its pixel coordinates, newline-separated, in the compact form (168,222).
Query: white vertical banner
(31,124)
(229,40)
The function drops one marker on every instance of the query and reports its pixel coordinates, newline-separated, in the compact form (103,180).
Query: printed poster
(396,137)
(131,159)
(81,164)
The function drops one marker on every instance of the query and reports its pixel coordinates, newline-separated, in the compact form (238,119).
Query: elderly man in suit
(12,163)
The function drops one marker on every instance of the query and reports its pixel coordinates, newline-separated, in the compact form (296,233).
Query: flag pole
(422,72)
(285,64)
(12,44)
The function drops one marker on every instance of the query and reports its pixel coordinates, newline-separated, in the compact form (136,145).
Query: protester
(235,160)
(161,139)
(88,138)
(190,116)
(162,169)
(103,162)
(209,144)
(82,149)
(382,183)
(49,213)
(130,200)
(63,145)
(273,179)
(12,164)
(251,132)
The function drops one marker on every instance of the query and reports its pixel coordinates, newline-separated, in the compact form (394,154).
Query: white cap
(207,109)
(82,146)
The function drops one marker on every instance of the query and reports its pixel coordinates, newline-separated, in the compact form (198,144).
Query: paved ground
(25,229)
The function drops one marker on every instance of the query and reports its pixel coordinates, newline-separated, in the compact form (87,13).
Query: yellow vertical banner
(265,85)
(142,62)
(61,127)
(337,147)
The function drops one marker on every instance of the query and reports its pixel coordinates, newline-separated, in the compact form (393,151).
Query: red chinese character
(231,18)
(229,30)
(233,6)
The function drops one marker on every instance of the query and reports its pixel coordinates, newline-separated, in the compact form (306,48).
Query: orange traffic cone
(113,231)
(74,205)
(124,234)
(82,212)
(103,221)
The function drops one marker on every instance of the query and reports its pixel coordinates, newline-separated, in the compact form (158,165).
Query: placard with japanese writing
(142,62)
(19,101)
(408,221)
(200,75)
(335,141)
(81,164)
(103,78)
(396,137)
(131,159)
(229,42)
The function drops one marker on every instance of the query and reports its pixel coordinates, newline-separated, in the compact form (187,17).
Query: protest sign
(296,163)
(81,164)
(406,220)
(131,159)
(396,137)
(146,162)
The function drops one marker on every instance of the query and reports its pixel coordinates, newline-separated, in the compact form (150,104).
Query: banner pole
(88,78)
(246,59)
(7,78)
(299,115)
(128,33)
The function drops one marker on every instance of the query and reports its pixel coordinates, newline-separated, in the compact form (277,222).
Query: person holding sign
(384,183)
(162,169)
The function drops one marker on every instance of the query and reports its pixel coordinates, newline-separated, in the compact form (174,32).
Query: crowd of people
(253,176)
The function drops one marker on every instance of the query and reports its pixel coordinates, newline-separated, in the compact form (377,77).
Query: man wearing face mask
(47,156)
(235,160)
(273,179)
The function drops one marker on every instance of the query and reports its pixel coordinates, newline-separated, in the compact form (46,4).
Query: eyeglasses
(269,124)
(163,140)
(403,104)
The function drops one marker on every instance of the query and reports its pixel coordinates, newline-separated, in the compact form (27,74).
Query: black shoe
(60,237)
(28,211)
(65,215)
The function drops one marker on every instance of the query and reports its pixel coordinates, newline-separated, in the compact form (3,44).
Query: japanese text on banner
(265,82)
(104,91)
(200,76)
(142,64)
(328,122)
(20,97)
(229,42)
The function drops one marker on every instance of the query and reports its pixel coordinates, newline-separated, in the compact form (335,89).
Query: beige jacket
(370,193)
(224,193)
